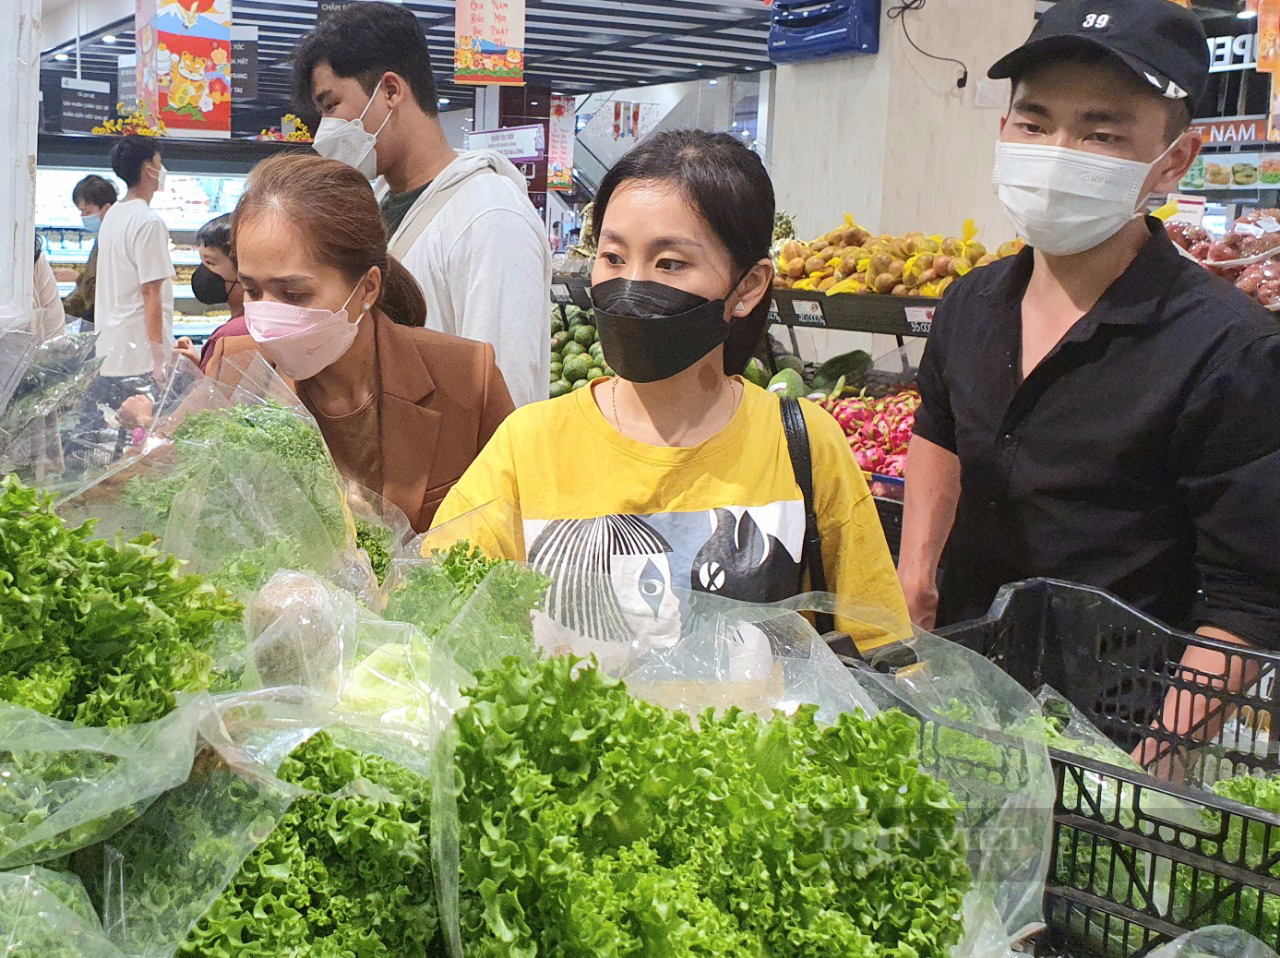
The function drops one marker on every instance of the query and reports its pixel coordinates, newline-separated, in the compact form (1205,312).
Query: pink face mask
(300,340)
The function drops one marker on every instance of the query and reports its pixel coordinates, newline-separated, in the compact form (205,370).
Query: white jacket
(484,264)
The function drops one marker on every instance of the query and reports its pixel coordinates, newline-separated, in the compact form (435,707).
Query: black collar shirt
(1141,456)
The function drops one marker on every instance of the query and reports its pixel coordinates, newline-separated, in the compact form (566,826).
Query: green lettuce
(592,823)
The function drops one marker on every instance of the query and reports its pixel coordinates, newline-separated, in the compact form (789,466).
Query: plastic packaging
(767,659)
(1217,942)
(238,482)
(66,786)
(47,914)
(170,869)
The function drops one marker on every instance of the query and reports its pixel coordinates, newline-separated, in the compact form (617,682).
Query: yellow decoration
(138,122)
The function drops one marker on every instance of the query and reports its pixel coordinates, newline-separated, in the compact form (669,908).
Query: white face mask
(1065,201)
(349,142)
(160,175)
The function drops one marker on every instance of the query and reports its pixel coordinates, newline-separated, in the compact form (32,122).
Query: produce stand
(1140,860)
(899,316)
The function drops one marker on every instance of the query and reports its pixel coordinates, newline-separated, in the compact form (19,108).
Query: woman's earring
(740,308)
(366,307)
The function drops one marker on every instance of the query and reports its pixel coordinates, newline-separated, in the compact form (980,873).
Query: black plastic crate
(891,521)
(1121,852)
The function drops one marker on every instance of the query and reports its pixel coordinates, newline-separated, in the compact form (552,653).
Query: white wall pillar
(889,137)
(19,113)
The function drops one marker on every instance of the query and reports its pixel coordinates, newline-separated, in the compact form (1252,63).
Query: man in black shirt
(1099,408)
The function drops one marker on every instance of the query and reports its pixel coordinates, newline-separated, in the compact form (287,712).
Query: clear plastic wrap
(205,872)
(67,786)
(47,914)
(1217,942)
(239,483)
(769,661)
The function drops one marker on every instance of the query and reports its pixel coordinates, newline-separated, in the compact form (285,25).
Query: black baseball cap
(1162,42)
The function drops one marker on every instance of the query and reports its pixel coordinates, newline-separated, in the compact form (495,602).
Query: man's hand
(1195,718)
(65,274)
(921,591)
(136,411)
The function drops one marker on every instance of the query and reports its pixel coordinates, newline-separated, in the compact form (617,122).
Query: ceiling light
(1247,14)
(443,101)
(109,38)
(699,65)
(60,57)
(713,82)
(533,102)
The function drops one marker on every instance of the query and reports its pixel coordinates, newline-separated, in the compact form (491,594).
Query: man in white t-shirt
(462,224)
(134,306)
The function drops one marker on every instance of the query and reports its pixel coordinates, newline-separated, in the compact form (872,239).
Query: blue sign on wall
(805,29)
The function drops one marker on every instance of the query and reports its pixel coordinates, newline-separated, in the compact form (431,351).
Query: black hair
(130,154)
(1178,112)
(365,41)
(216,234)
(39,247)
(730,189)
(94,190)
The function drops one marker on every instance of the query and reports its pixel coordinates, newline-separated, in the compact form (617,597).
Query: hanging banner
(85,104)
(560,142)
(1269,36)
(244,63)
(489,42)
(184,64)
(127,82)
(1232,130)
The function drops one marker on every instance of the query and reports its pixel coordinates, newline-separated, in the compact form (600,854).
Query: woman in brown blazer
(404,410)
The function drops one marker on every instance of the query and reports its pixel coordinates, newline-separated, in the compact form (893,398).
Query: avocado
(852,366)
(787,384)
(756,374)
(791,362)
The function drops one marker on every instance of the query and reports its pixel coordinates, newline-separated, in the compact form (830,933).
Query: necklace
(617,423)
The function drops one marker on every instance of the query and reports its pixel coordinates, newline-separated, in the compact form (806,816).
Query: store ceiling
(575,46)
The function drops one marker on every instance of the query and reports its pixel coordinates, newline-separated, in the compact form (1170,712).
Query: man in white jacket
(462,224)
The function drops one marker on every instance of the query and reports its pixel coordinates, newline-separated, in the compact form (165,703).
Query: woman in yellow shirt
(677,475)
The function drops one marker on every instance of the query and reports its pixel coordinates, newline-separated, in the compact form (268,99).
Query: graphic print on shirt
(746,553)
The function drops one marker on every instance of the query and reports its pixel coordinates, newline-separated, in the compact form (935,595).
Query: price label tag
(919,319)
(809,312)
(775,317)
(560,293)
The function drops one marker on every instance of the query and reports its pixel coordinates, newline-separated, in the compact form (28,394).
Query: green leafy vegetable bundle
(96,632)
(258,484)
(1247,844)
(346,871)
(430,593)
(592,823)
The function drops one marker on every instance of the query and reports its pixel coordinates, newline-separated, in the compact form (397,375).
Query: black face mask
(652,331)
(208,287)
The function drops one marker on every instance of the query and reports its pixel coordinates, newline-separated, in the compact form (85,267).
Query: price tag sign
(775,317)
(919,319)
(809,312)
(560,293)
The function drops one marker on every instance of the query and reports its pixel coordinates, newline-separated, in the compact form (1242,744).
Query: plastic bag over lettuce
(1217,942)
(570,798)
(239,483)
(47,914)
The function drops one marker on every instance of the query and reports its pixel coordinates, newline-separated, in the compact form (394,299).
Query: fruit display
(576,355)
(1248,255)
(849,259)
(879,430)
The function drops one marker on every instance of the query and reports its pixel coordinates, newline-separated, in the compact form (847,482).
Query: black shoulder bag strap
(802,464)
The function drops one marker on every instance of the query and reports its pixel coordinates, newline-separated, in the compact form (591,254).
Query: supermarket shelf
(78,257)
(179,292)
(854,312)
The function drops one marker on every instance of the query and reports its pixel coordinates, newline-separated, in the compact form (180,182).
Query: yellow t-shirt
(559,487)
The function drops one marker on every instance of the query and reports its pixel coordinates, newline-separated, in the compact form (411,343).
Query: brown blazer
(442,399)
